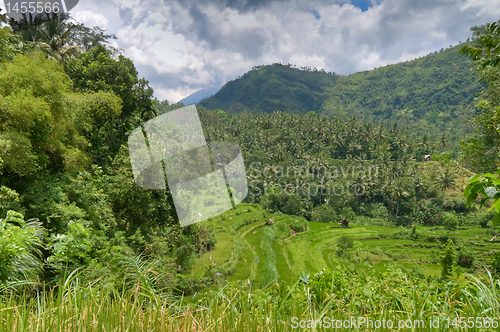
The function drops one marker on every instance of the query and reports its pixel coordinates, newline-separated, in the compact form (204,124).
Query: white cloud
(91,19)
(184,46)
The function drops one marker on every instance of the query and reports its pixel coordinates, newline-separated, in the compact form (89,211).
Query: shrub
(343,244)
(323,213)
(450,222)
(20,244)
(429,215)
(346,213)
(466,256)
(379,210)
(299,225)
(495,265)
(281,227)
(448,259)
(483,222)
(72,248)
(9,199)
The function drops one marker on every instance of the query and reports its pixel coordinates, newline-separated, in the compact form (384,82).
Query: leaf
(474,178)
(473,189)
(495,206)
(495,221)
(491,191)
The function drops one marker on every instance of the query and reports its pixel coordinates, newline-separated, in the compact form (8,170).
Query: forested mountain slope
(433,94)
(273,87)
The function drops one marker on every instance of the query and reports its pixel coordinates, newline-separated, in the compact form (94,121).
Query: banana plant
(488,187)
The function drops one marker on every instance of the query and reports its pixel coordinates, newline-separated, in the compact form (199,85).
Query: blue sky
(184,46)
(362,4)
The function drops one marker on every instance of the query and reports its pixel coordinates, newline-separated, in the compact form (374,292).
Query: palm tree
(27,26)
(3,17)
(56,38)
(398,193)
(446,181)
(443,141)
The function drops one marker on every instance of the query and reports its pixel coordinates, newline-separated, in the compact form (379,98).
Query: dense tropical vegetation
(345,218)
(432,95)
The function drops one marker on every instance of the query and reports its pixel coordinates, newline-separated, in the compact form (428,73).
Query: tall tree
(480,151)
(55,35)
(97,70)
(484,146)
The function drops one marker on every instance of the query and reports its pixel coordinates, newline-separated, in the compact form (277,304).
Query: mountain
(194,98)
(273,87)
(433,94)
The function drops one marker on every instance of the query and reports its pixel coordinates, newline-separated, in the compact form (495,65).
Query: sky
(182,46)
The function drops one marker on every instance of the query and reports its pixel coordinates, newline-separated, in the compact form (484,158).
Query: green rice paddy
(239,253)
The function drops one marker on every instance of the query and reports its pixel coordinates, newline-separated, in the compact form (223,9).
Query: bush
(379,211)
(466,256)
(448,259)
(495,265)
(299,225)
(450,222)
(281,227)
(343,244)
(20,244)
(483,222)
(429,215)
(323,213)
(346,213)
(456,204)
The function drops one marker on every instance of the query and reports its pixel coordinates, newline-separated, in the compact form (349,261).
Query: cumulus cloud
(183,46)
(91,19)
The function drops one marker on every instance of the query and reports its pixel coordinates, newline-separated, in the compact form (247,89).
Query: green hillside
(432,94)
(273,87)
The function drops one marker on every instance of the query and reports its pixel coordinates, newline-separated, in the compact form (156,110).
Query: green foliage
(448,259)
(379,211)
(141,274)
(428,215)
(323,213)
(480,149)
(97,71)
(72,248)
(429,95)
(484,50)
(273,87)
(38,127)
(46,199)
(483,222)
(346,213)
(20,248)
(11,45)
(466,257)
(299,225)
(486,186)
(9,200)
(450,222)
(344,243)
(489,38)
(495,265)
(284,202)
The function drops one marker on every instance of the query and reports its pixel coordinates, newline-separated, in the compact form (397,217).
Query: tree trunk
(397,210)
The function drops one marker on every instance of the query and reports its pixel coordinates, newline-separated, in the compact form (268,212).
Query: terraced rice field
(239,253)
